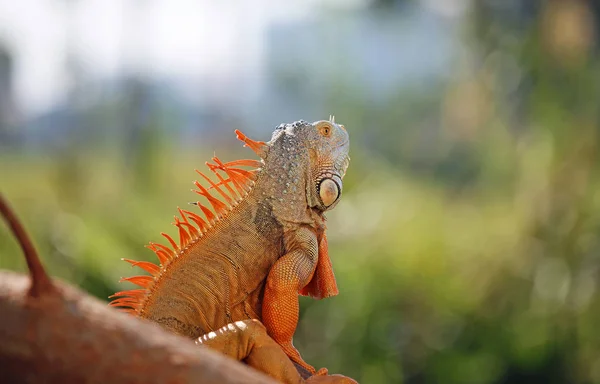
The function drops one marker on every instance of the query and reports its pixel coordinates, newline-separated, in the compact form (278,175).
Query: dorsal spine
(232,187)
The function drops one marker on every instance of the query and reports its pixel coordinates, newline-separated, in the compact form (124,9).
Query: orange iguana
(248,258)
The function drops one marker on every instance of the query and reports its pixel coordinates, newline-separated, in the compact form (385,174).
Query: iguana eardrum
(262,243)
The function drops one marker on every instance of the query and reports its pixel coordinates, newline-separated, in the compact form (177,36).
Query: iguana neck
(284,181)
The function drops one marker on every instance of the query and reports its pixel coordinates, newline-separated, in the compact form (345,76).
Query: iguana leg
(248,341)
(291,273)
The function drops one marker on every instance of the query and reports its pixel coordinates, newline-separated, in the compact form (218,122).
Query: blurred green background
(466,246)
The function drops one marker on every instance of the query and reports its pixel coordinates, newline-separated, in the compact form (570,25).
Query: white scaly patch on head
(328,192)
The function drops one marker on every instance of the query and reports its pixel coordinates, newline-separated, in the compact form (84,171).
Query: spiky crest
(259,147)
(234,183)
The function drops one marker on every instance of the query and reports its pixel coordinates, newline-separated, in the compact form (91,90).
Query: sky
(181,39)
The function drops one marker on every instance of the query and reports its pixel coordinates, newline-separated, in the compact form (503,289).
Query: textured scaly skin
(256,258)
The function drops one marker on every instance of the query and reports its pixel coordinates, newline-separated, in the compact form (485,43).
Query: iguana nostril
(328,191)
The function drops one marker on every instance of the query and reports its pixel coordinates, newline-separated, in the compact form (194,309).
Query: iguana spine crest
(233,188)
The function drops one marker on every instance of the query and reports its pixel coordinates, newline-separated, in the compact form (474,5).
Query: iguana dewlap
(261,244)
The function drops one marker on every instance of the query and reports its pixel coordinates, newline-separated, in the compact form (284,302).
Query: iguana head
(328,160)
(320,150)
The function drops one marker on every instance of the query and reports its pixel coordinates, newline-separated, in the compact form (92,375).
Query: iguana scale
(260,244)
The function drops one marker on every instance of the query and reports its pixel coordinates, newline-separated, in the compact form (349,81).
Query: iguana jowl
(262,243)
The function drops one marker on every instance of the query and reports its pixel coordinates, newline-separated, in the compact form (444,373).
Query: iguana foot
(294,355)
(248,341)
(321,372)
(330,379)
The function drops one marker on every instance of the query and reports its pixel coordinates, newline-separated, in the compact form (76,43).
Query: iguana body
(262,243)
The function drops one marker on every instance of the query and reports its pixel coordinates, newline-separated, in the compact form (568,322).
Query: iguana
(262,243)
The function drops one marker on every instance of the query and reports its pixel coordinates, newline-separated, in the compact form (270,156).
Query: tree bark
(68,336)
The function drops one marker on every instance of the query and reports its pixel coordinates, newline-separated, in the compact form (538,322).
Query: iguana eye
(325,130)
(329,192)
